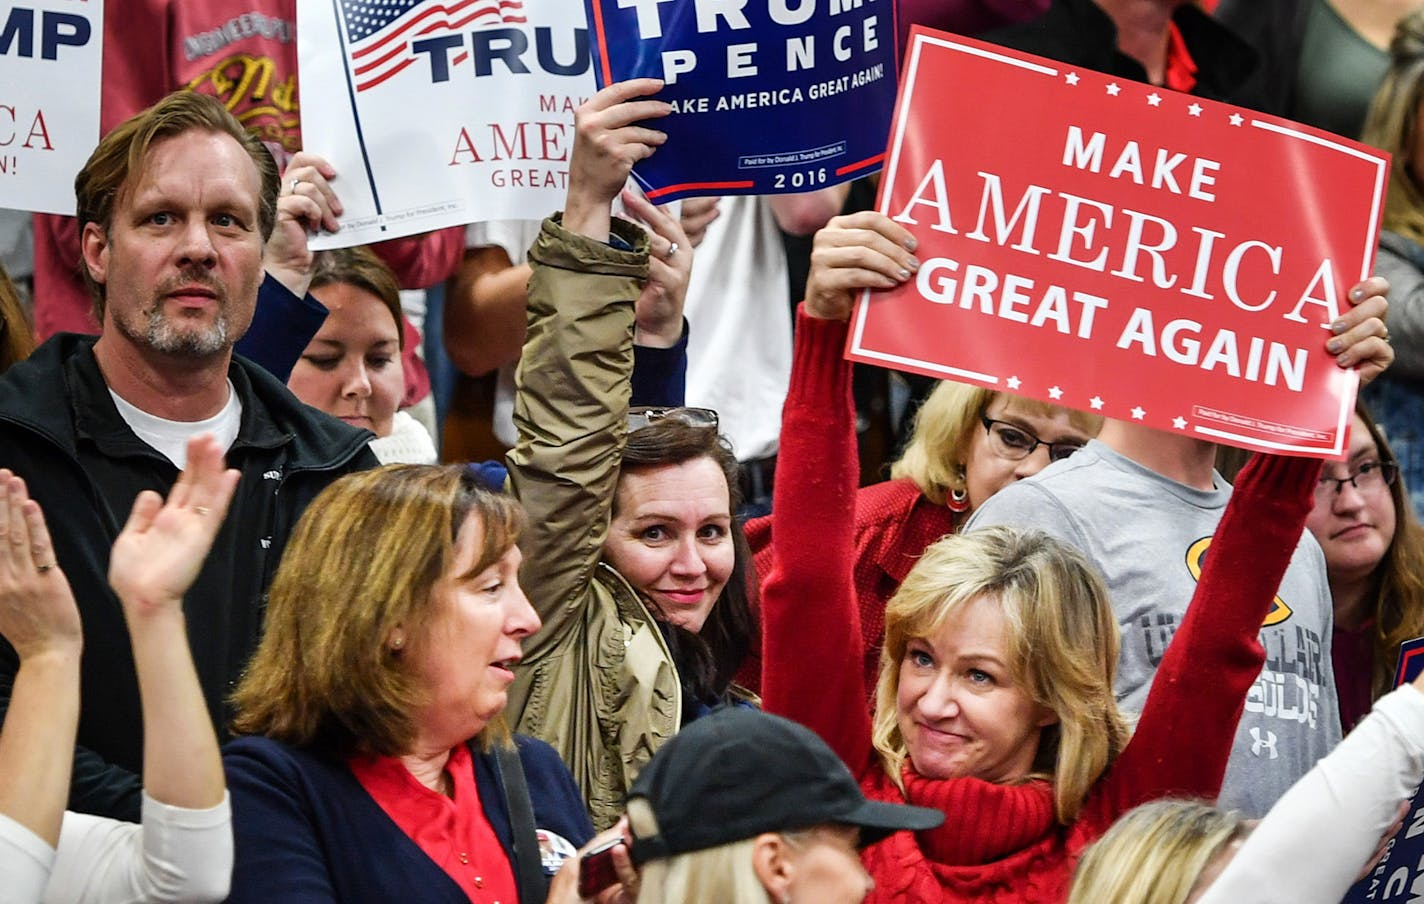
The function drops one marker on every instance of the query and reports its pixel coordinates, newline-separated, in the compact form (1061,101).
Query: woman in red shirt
(994,702)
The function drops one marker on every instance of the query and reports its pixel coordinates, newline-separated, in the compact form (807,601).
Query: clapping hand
(162,547)
(37,611)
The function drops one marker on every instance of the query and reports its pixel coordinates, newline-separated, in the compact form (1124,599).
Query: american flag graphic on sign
(380,32)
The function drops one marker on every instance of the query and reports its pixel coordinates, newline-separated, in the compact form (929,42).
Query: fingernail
(1334,345)
(912,243)
(904,274)
(1357,293)
(1344,361)
(914,263)
(1337,327)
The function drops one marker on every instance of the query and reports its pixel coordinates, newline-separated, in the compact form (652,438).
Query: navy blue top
(306,830)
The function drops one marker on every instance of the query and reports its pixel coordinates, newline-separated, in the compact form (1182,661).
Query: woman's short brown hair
(360,267)
(361,563)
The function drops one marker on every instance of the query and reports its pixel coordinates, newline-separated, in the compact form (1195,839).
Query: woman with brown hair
(1374,557)
(377,764)
(633,556)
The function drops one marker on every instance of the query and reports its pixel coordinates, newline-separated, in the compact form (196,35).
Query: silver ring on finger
(672,249)
(293,188)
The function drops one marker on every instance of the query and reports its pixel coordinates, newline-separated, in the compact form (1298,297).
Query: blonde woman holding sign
(995,699)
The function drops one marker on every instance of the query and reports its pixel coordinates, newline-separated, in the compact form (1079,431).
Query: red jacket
(1000,843)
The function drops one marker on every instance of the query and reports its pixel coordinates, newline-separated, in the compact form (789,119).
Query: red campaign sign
(1122,249)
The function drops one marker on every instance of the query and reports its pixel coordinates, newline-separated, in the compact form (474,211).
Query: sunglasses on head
(640,417)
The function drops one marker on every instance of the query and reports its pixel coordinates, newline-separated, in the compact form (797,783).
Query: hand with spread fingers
(658,310)
(162,547)
(37,611)
(865,250)
(1359,337)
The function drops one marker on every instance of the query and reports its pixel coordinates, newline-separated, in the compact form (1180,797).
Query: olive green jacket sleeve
(570,412)
(597,681)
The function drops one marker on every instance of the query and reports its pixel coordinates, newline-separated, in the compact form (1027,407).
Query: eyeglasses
(1370,477)
(638,418)
(1015,443)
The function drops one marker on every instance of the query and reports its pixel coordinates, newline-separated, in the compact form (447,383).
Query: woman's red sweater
(1001,843)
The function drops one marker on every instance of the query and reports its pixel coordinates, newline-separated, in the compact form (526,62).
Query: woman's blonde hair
(361,563)
(1062,646)
(717,875)
(944,429)
(1154,854)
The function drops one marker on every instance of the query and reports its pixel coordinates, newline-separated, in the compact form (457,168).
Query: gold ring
(201,510)
(43,568)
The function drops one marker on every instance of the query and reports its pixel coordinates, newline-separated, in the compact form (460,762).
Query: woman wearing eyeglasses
(632,556)
(968,443)
(1374,556)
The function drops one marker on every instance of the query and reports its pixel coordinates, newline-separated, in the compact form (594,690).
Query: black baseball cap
(739,772)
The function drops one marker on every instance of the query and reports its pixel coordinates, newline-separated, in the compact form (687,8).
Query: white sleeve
(514,236)
(176,855)
(25,862)
(1356,791)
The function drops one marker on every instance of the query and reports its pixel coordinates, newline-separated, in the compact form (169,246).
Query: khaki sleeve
(571,414)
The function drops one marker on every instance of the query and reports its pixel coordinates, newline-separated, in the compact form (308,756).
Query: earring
(958,500)
(397,643)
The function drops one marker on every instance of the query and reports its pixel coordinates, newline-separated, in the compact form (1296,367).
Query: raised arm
(1355,791)
(572,399)
(39,619)
(811,646)
(154,561)
(1216,653)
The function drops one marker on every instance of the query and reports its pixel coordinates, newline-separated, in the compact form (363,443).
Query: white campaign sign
(50,65)
(439,114)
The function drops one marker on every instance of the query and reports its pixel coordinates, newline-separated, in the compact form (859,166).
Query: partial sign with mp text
(1122,249)
(438,114)
(769,97)
(51,60)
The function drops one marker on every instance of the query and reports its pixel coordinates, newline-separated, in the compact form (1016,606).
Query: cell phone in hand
(596,870)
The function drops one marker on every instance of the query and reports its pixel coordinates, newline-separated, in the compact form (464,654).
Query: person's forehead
(1362,444)
(211,164)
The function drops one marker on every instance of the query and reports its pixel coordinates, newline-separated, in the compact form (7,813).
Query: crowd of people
(264,642)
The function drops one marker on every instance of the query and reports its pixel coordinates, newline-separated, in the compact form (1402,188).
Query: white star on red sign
(1195,109)
(1055,393)
(1154,99)
(1013,382)
(1138,413)
(1236,119)
(1114,88)
(1096,402)
(1071,78)
(1179,422)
